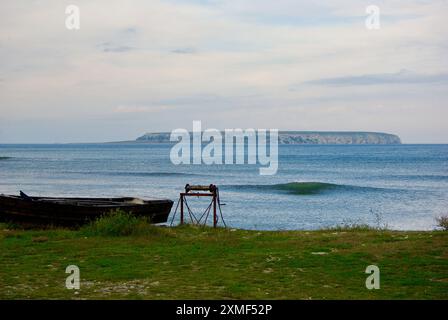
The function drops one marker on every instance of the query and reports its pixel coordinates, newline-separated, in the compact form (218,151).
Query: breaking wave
(303,188)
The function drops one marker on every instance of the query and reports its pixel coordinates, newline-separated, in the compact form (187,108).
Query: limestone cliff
(306,137)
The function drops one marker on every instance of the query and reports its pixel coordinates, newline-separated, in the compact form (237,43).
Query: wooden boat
(77,211)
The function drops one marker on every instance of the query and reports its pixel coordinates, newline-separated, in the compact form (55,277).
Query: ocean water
(402,186)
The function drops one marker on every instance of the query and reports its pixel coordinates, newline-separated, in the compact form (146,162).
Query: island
(304,137)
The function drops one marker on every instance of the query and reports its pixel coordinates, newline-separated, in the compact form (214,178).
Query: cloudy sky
(148,66)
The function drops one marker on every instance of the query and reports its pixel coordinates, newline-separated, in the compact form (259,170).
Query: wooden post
(215,217)
(181,209)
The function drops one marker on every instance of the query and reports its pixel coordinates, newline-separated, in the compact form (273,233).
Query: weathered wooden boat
(77,211)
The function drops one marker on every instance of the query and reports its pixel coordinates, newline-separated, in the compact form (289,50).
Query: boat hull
(77,211)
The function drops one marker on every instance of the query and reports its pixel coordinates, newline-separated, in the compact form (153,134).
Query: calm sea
(403,187)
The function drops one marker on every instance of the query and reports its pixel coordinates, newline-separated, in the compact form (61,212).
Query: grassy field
(202,263)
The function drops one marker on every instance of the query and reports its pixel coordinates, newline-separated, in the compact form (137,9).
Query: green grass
(202,263)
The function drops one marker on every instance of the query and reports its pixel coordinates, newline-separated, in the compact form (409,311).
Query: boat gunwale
(89,202)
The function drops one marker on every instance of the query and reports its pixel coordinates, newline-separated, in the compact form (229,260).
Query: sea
(400,187)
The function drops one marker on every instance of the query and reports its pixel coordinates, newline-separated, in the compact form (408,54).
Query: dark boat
(77,211)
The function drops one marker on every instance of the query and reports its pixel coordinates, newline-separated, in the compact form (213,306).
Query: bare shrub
(442,222)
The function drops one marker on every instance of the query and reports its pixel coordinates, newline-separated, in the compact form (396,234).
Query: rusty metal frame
(198,191)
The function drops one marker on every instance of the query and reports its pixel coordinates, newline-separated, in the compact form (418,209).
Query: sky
(141,66)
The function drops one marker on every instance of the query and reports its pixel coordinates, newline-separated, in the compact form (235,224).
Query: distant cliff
(305,137)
